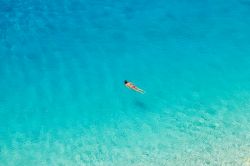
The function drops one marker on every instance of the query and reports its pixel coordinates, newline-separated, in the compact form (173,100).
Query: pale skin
(130,85)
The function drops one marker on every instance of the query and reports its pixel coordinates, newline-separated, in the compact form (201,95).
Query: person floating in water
(133,87)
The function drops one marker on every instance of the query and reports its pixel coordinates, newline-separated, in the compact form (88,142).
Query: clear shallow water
(62,66)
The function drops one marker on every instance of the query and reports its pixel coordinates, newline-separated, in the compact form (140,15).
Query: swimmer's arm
(127,86)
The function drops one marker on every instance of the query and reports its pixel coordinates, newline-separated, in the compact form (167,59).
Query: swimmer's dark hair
(125,81)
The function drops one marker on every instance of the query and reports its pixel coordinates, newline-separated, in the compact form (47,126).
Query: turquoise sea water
(62,98)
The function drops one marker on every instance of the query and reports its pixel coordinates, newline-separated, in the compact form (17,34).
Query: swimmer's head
(125,82)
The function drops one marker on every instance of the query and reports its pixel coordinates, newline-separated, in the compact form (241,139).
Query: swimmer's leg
(140,90)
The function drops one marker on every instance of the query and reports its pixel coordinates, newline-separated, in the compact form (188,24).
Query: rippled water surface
(62,98)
